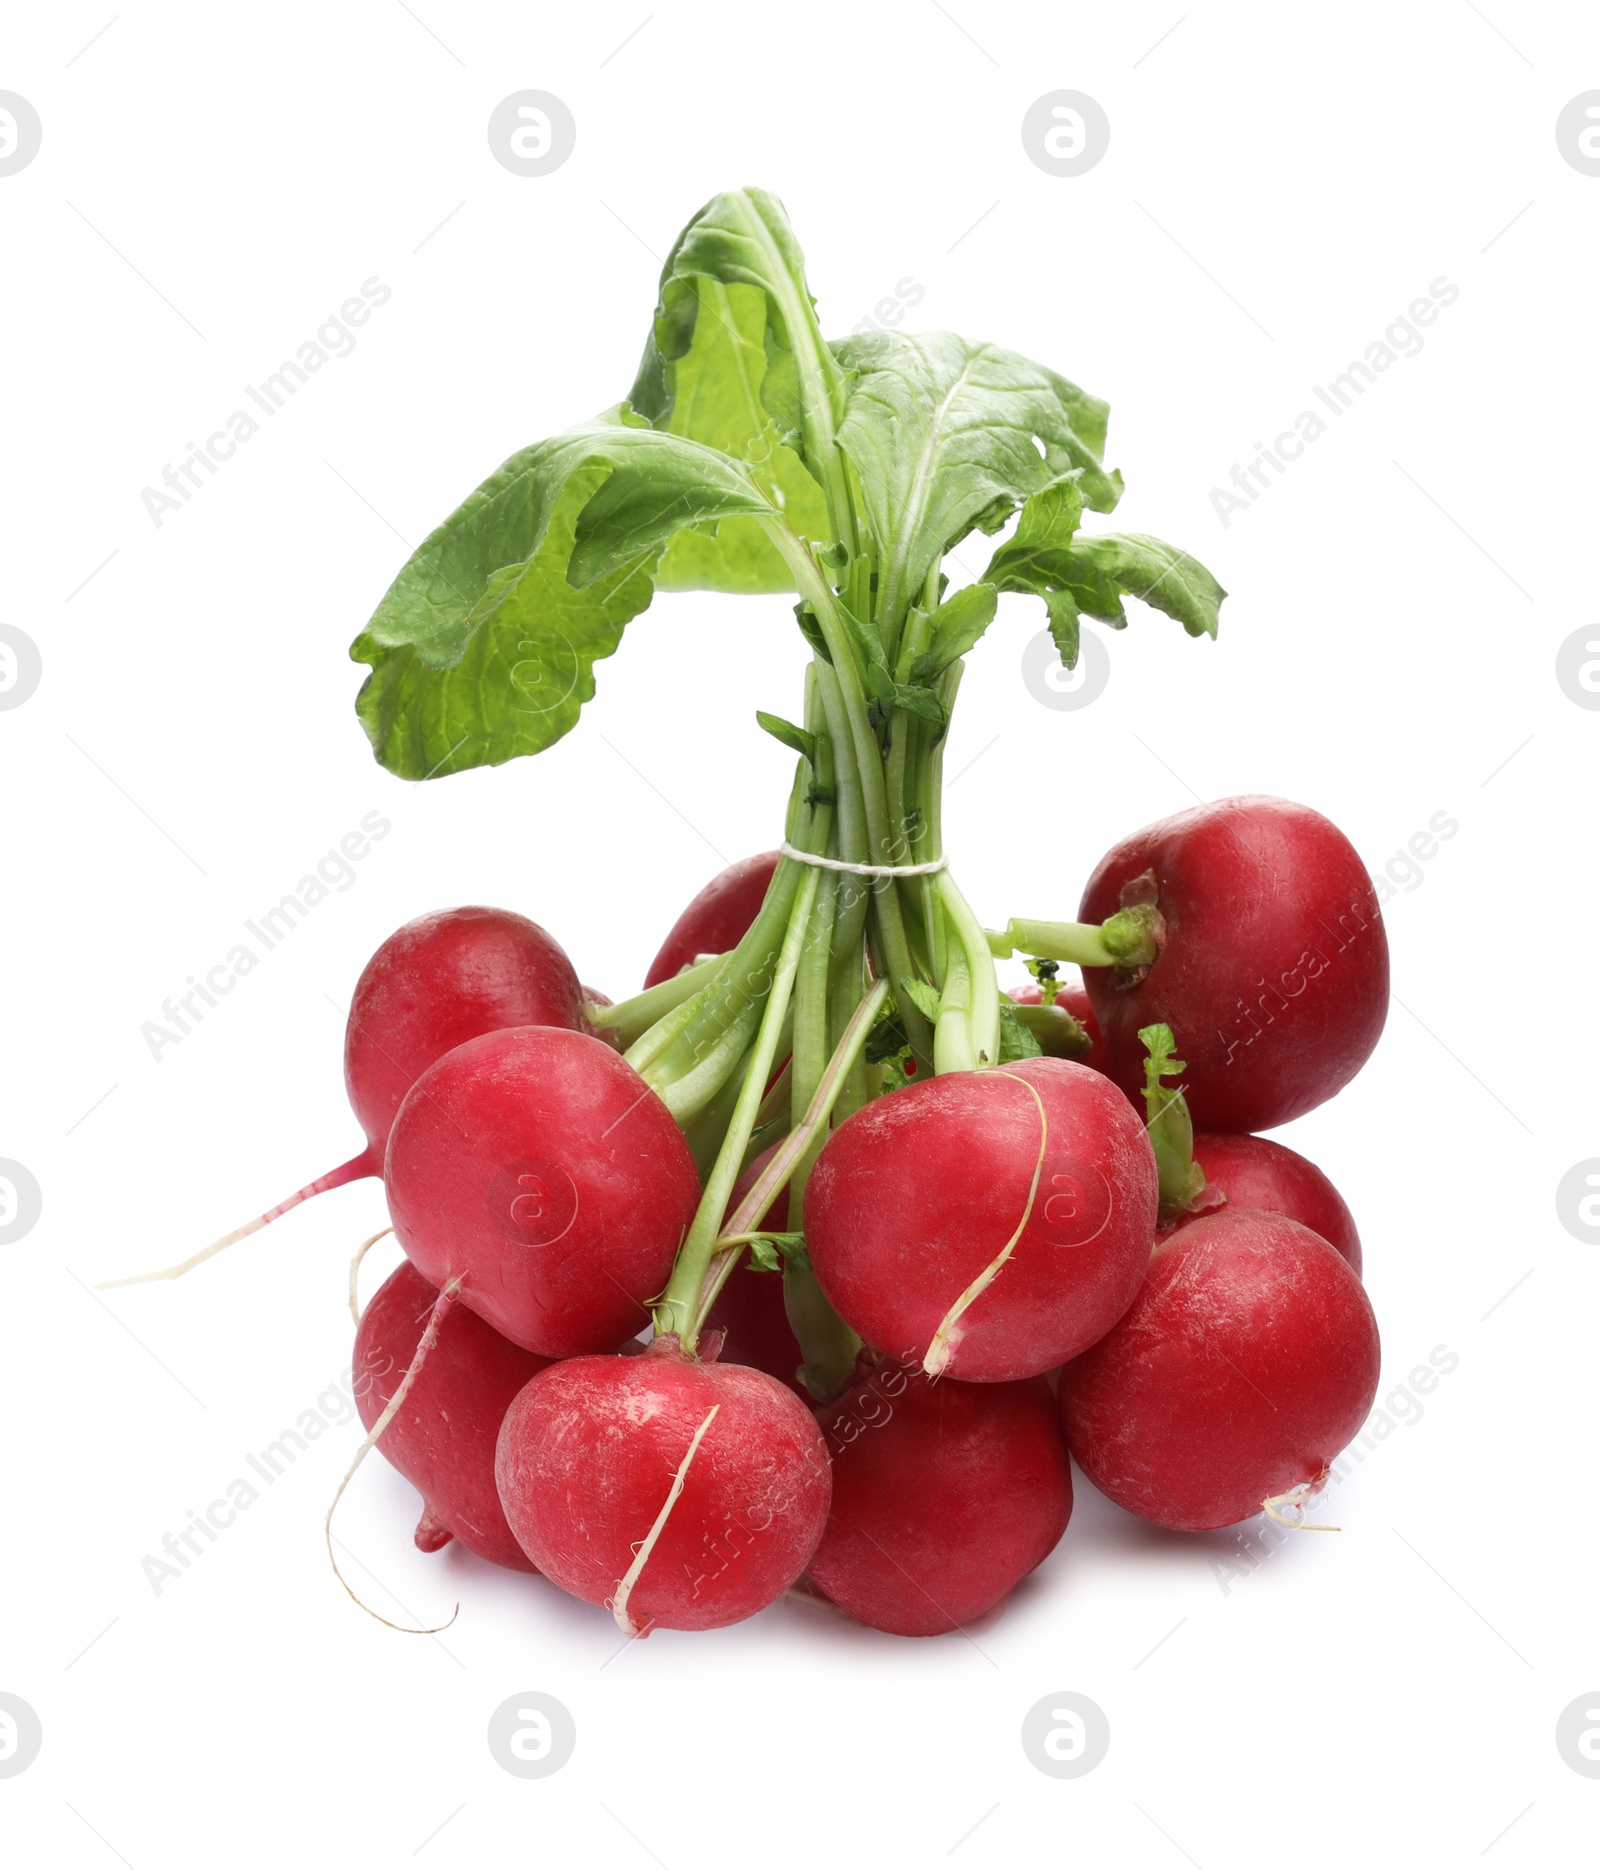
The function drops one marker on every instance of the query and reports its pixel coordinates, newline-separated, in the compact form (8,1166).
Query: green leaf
(958,623)
(1037,559)
(923,703)
(879,681)
(811,630)
(1158,574)
(743,239)
(769,1251)
(1015,1039)
(1077,572)
(483,648)
(794,738)
(947,435)
(713,395)
(1160,1063)
(923,997)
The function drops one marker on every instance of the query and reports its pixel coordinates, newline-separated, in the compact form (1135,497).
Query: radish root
(355,1269)
(945,1338)
(351,1171)
(429,1338)
(619,1604)
(1296,1499)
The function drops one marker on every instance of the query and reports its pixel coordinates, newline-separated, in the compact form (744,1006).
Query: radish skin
(1245,1365)
(443,1438)
(538,1169)
(945,1495)
(916,1198)
(682,1494)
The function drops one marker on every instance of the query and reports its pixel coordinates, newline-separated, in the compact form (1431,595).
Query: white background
(1279,186)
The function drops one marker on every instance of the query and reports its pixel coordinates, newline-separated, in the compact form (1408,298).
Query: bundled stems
(826,954)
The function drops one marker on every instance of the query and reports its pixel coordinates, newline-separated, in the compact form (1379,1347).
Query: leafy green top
(749,447)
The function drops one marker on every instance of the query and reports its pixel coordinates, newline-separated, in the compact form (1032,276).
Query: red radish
(1074,996)
(990,1227)
(718,918)
(1247,1362)
(1255,1172)
(537,1167)
(945,1495)
(438,980)
(749,1310)
(683,1495)
(443,1437)
(1273,969)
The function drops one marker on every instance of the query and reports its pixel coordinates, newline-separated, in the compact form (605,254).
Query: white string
(865,870)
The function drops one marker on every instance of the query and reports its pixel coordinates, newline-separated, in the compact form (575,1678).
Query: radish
(683,1495)
(1246,1363)
(435,982)
(945,1495)
(992,1223)
(749,1311)
(717,918)
(1255,1172)
(443,1437)
(1273,967)
(536,1167)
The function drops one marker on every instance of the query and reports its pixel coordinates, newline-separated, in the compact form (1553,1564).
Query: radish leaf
(483,647)
(948,435)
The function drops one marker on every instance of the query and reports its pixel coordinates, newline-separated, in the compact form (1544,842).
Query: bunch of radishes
(901,1240)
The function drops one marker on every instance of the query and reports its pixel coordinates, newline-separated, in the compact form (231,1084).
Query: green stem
(863,742)
(827,1343)
(678,1310)
(983,1001)
(1130,938)
(631,1019)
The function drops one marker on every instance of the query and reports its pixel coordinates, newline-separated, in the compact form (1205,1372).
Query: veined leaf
(743,239)
(715,398)
(1076,572)
(1038,559)
(947,435)
(483,647)
(1160,575)
(958,623)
